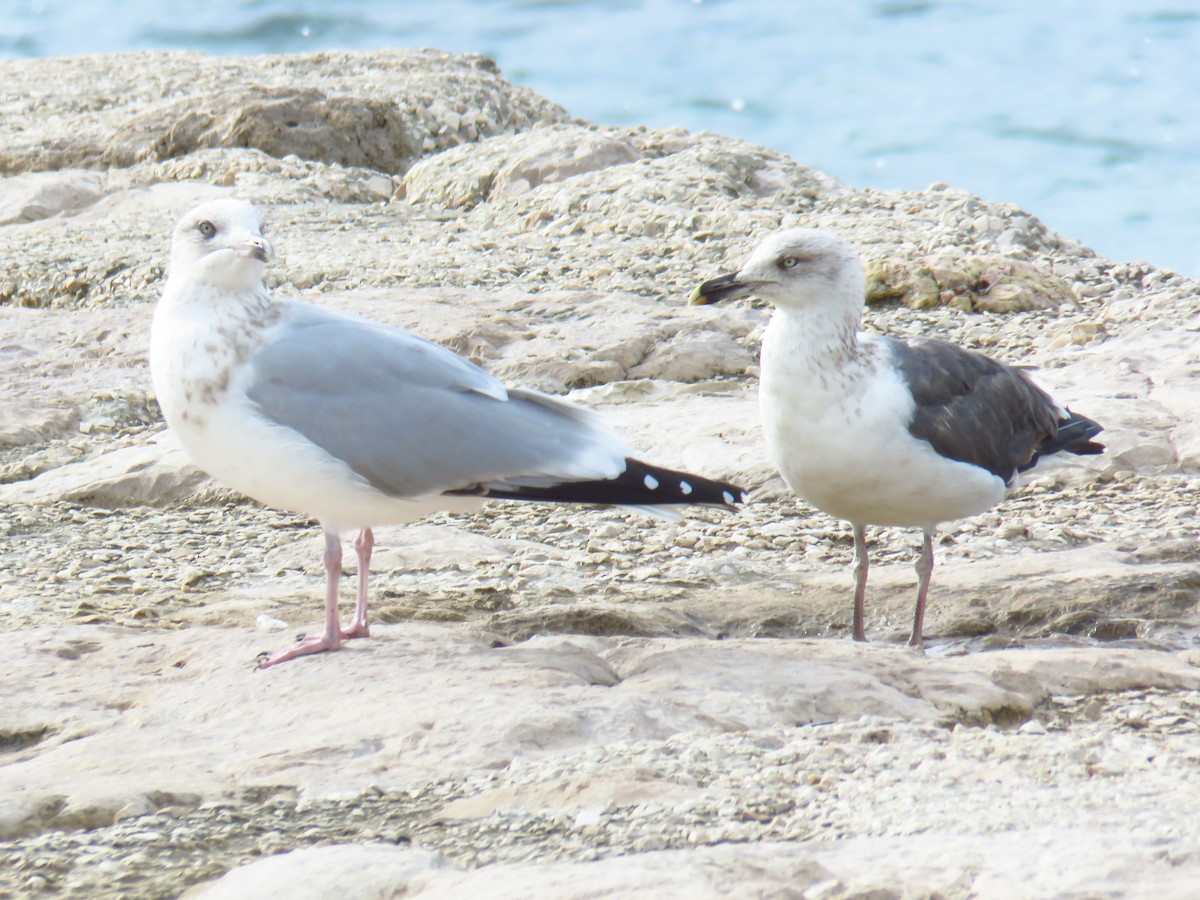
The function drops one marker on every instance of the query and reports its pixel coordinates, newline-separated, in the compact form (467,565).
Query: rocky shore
(566,702)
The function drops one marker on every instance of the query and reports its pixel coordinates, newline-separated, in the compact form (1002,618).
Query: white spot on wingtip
(745,497)
(685,488)
(650,481)
(728,497)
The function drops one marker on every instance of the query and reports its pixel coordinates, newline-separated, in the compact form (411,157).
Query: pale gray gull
(359,424)
(881,431)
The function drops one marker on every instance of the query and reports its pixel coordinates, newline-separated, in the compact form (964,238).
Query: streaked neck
(826,334)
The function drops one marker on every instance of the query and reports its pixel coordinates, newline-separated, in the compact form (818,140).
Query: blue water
(1084,112)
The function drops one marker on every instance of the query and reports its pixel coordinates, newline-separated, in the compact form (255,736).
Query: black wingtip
(641,484)
(658,486)
(1074,435)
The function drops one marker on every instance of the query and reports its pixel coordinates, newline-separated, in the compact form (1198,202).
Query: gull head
(794,269)
(221,243)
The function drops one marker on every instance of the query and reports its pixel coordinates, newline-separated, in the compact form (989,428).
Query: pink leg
(332,638)
(924,571)
(363,544)
(861,565)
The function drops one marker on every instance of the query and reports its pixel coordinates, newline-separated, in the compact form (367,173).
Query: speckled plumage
(356,423)
(875,430)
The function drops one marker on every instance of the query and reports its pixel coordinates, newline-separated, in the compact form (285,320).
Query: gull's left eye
(789,262)
(207,229)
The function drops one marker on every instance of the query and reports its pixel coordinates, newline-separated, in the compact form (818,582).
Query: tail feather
(641,484)
(1074,435)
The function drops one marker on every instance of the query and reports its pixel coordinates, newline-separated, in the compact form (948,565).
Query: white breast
(836,425)
(201,387)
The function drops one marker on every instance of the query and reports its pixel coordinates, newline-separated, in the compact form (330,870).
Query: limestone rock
(27,198)
(358,871)
(860,867)
(986,284)
(514,165)
(427,100)
(155,473)
(558,162)
(694,357)
(202,721)
(308,123)
(855,867)
(894,281)
(671,696)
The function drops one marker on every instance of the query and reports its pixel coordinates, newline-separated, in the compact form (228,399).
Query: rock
(352,131)
(855,867)
(1086,332)
(603,690)
(649,204)
(555,161)
(858,867)
(456,179)
(985,284)
(893,281)
(515,165)
(152,474)
(18,819)
(425,99)
(27,198)
(62,371)
(616,735)
(706,874)
(560,697)
(694,357)
(314,873)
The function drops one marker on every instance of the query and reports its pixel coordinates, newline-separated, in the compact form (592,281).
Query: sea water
(1084,112)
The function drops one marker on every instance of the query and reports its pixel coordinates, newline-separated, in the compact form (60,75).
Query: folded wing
(413,418)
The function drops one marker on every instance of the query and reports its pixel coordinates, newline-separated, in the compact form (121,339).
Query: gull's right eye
(207,229)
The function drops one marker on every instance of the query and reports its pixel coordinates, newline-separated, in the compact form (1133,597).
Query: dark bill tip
(258,253)
(723,287)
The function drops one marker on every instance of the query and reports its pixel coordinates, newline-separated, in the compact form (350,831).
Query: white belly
(281,468)
(851,454)
(225,436)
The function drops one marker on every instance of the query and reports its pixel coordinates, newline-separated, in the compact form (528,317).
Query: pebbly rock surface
(546,709)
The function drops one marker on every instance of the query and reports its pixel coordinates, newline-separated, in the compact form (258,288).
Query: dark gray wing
(413,418)
(972,408)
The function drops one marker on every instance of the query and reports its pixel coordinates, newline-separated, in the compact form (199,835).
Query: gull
(876,430)
(358,424)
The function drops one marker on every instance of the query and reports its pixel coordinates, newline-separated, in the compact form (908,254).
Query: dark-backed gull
(880,431)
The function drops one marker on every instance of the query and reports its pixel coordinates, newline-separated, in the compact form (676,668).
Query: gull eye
(207,229)
(789,262)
